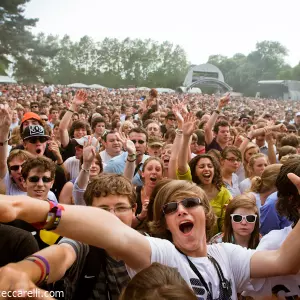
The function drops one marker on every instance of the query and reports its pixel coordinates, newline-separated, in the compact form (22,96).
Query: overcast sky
(201,27)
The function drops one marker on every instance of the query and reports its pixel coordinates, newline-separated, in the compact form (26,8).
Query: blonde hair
(267,180)
(178,189)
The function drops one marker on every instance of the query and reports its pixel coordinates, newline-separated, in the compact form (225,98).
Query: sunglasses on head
(15,167)
(172,207)
(36,179)
(172,119)
(141,142)
(33,140)
(239,218)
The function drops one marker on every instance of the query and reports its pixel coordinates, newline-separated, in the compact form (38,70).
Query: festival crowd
(135,195)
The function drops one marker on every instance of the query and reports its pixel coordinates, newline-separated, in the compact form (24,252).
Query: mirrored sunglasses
(172,207)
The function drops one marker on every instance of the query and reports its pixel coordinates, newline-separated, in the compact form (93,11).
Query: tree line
(121,63)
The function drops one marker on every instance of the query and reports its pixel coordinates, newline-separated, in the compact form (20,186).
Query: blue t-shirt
(269,217)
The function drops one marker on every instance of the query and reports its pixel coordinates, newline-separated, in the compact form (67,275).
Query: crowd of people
(125,194)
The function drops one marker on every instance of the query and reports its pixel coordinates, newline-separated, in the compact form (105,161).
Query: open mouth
(186,227)
(153,179)
(206,175)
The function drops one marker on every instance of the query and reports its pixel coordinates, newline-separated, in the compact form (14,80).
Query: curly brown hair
(217,179)
(43,164)
(288,203)
(109,184)
(171,191)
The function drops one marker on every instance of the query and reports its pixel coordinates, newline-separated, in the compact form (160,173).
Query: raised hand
(54,148)
(5,121)
(130,147)
(89,152)
(224,101)
(79,98)
(179,117)
(189,124)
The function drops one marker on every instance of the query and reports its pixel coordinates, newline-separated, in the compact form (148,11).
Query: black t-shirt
(59,181)
(15,244)
(213,145)
(68,151)
(39,235)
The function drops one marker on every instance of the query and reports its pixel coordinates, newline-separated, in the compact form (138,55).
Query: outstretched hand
(89,152)
(5,120)
(79,98)
(189,124)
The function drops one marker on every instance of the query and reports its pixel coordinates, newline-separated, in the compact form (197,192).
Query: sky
(202,28)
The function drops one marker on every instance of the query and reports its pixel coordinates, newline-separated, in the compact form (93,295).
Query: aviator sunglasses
(141,142)
(33,140)
(239,218)
(172,207)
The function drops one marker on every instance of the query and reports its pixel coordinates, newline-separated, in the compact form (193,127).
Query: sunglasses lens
(33,179)
(190,202)
(46,179)
(141,142)
(170,207)
(237,218)
(14,168)
(250,218)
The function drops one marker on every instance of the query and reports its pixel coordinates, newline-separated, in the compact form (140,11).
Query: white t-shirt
(72,165)
(245,185)
(233,260)
(13,189)
(286,286)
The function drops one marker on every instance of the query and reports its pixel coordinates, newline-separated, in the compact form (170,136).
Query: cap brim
(42,135)
(156,144)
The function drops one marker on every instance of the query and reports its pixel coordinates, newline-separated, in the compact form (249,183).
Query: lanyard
(225,286)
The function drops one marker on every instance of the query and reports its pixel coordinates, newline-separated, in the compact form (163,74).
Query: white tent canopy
(78,85)
(165,90)
(143,88)
(6,79)
(96,86)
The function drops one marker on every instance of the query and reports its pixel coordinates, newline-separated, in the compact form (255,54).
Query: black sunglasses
(36,179)
(239,218)
(34,106)
(141,142)
(33,140)
(15,167)
(172,207)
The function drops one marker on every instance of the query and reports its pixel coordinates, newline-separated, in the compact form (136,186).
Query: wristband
(131,160)
(85,170)
(179,131)
(53,214)
(217,111)
(60,164)
(72,111)
(2,143)
(42,278)
(47,267)
(248,138)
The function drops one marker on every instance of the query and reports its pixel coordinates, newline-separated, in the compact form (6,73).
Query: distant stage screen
(198,74)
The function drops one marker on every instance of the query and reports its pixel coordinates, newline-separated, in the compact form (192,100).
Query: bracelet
(47,266)
(217,111)
(133,154)
(2,143)
(53,218)
(42,278)
(72,111)
(248,138)
(179,131)
(60,164)
(85,170)
(131,160)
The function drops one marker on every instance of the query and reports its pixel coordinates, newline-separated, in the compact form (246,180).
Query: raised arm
(177,144)
(79,98)
(208,130)
(271,150)
(285,260)
(5,121)
(92,226)
(187,130)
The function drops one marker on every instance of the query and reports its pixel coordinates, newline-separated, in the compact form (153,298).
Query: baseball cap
(155,141)
(31,115)
(34,131)
(84,140)
(298,114)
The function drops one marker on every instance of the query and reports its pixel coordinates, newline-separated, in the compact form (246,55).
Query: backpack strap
(95,262)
